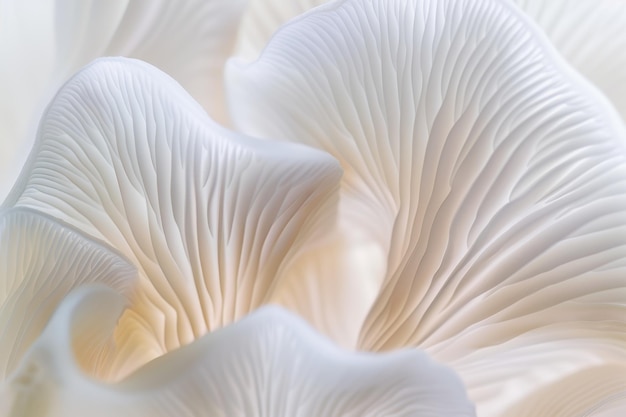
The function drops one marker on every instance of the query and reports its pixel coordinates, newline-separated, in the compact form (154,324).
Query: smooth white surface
(270,364)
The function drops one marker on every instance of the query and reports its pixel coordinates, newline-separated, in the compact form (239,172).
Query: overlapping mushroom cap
(495,174)
(209,219)
(480,218)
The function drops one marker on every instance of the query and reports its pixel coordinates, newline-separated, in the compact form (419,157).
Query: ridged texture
(591,36)
(269,364)
(43,44)
(262,18)
(209,218)
(490,173)
(41,261)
